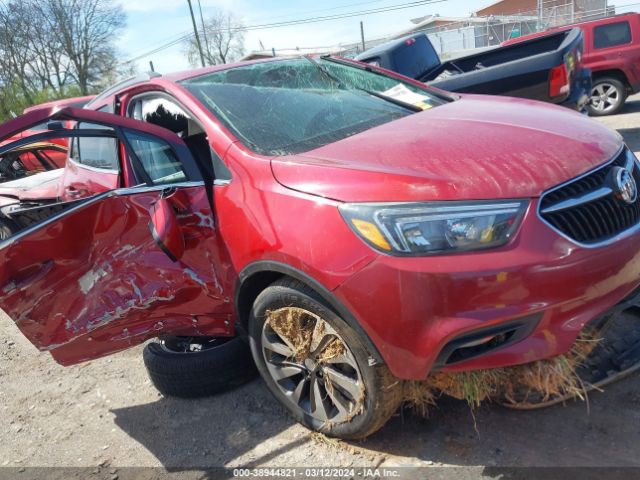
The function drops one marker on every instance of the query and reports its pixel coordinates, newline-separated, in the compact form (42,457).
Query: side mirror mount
(55,125)
(165,229)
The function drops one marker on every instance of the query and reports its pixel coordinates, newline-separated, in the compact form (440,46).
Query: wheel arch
(254,278)
(614,73)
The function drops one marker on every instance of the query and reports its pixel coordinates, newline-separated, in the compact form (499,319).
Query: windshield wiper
(381,96)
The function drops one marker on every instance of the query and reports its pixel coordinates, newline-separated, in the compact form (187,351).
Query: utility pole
(204,31)
(195,32)
(364,47)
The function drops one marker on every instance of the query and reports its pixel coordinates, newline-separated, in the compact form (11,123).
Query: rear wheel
(607,97)
(317,366)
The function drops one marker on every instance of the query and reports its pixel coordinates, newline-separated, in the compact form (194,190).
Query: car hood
(478,147)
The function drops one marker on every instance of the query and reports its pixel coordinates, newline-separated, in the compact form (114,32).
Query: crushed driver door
(99,274)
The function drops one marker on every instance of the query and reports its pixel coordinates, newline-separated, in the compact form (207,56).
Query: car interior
(163,112)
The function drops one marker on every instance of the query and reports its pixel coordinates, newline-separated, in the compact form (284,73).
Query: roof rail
(128,82)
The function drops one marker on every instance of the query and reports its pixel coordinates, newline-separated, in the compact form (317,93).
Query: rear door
(612,44)
(88,277)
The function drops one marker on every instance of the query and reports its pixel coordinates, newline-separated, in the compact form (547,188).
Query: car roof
(188,74)
(175,77)
(65,102)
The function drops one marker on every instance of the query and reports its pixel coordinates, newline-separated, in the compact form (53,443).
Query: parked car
(548,69)
(31,159)
(37,157)
(612,52)
(388,228)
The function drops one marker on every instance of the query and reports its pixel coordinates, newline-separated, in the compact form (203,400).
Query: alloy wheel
(605,97)
(312,365)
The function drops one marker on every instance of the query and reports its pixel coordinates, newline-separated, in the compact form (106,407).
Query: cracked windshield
(315,102)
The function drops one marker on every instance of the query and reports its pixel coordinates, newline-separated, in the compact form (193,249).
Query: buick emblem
(624,185)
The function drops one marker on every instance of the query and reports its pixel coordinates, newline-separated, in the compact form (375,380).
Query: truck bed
(520,70)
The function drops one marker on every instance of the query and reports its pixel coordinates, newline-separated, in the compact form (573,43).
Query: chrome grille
(587,210)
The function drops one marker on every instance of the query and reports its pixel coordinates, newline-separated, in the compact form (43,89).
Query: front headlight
(413,229)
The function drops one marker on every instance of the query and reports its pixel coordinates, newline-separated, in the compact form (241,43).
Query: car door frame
(118,124)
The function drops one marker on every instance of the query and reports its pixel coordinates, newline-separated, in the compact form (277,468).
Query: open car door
(86,277)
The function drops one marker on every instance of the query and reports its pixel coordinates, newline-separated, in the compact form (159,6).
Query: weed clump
(521,386)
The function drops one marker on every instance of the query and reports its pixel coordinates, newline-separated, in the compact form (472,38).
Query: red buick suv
(360,227)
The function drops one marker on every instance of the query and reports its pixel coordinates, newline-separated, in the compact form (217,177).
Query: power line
(337,7)
(186,33)
(296,22)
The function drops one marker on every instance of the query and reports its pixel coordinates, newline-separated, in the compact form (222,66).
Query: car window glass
(157,158)
(108,108)
(95,152)
(611,35)
(292,106)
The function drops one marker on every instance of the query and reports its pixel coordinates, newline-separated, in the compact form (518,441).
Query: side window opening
(157,158)
(165,113)
(95,152)
(611,35)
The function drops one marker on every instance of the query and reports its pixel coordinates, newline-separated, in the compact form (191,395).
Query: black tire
(226,364)
(7,228)
(614,101)
(382,391)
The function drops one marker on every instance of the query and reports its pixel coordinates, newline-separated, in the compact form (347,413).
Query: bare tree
(222,42)
(15,59)
(87,29)
(56,48)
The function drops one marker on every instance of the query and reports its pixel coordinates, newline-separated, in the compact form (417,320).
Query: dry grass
(297,327)
(521,385)
(303,331)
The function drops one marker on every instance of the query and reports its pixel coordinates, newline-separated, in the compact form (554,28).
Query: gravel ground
(106,415)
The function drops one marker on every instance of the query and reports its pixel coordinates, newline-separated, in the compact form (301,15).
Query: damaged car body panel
(414,214)
(87,277)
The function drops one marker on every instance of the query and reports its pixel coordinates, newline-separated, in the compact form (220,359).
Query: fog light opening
(477,347)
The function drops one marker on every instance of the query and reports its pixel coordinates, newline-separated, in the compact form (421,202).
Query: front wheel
(607,97)
(317,366)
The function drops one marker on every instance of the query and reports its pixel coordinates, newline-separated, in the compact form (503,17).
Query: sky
(152,23)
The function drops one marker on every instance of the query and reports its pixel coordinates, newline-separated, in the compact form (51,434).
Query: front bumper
(412,308)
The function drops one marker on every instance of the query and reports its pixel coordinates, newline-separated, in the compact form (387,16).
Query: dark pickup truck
(547,68)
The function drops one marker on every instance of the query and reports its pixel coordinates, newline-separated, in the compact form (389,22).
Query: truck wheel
(192,367)
(607,97)
(7,228)
(317,366)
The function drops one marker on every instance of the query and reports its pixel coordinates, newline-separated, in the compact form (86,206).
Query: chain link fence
(483,32)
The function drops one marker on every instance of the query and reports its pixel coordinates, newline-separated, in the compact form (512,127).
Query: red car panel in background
(41,157)
(612,52)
